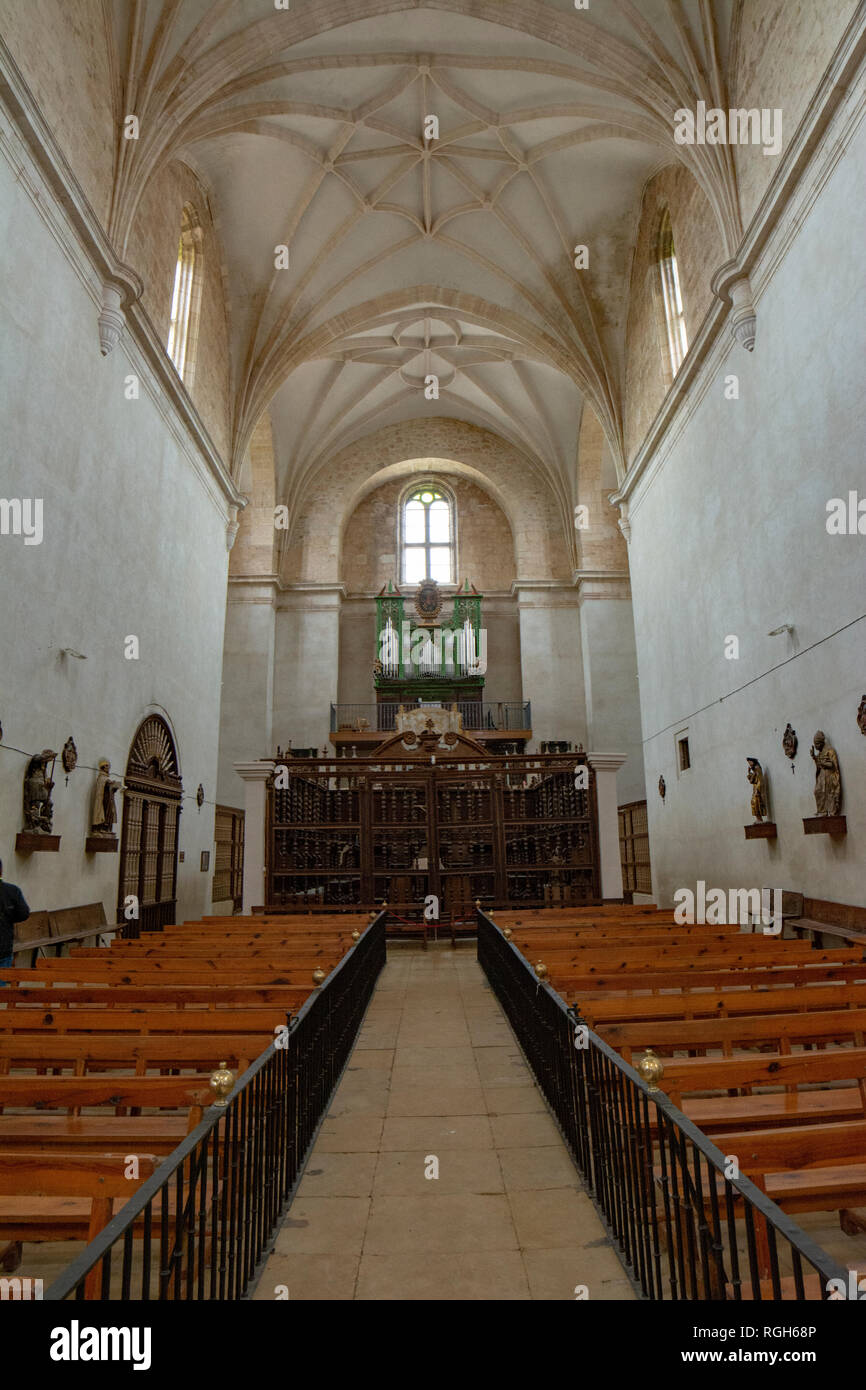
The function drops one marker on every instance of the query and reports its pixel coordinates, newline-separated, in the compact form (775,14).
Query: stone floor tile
(443,1223)
(556,1274)
(317,1278)
(338,1175)
(462,1277)
(432,1099)
(324,1226)
(524,1131)
(533,1169)
(553,1217)
(371,1059)
(402,1174)
(436,1133)
(350,1134)
(514,1100)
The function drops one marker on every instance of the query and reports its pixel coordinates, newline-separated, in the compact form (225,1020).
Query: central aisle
(437,1074)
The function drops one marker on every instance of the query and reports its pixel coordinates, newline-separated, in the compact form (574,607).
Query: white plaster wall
(247,686)
(550,654)
(357,652)
(612,704)
(306,668)
(729,538)
(503,678)
(133,543)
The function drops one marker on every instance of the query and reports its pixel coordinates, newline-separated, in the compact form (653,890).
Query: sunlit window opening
(675,320)
(428,537)
(185,298)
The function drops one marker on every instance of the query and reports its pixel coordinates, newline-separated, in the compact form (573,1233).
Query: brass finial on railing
(478,903)
(222,1080)
(540,969)
(508,933)
(356,935)
(318,976)
(651,1069)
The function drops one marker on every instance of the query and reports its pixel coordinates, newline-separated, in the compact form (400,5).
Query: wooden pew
(560,942)
(159,1003)
(116,1050)
(574,986)
(190,1093)
(743,951)
(688,1076)
(59,927)
(156,1134)
(602,1010)
(705,1034)
(154,972)
(715,1113)
(805,1169)
(142,1022)
(65,1196)
(45,993)
(307,958)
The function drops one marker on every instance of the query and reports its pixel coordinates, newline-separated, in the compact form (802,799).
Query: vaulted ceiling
(412,256)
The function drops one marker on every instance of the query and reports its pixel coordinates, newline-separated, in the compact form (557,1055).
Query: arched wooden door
(149,838)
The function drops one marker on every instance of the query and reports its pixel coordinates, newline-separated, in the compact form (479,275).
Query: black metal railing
(492,716)
(200,1227)
(685,1229)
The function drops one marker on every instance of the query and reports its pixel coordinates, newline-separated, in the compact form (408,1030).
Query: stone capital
(606,762)
(257,771)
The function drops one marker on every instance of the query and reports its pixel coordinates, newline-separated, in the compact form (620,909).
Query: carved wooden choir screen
(509,830)
(149,837)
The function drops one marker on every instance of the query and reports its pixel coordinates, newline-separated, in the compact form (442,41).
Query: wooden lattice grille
(516,830)
(149,835)
(634,848)
(228,879)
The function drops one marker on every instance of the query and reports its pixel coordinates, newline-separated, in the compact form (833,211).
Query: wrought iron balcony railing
(492,716)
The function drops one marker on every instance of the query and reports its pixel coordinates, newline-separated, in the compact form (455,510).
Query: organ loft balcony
(427,659)
(505,726)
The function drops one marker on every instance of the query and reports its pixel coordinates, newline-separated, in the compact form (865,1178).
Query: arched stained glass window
(672,298)
(427,536)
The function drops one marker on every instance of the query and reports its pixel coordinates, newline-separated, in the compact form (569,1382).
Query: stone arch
(313,554)
(482,532)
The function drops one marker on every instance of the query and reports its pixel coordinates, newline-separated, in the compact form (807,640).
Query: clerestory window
(672,298)
(186,298)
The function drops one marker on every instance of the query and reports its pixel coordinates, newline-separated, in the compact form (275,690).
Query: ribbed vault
(411,255)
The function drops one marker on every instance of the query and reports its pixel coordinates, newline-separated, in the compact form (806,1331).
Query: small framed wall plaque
(205,860)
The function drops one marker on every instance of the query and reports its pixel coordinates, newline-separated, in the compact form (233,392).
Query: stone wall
(63,53)
(401,451)
(783,49)
(700,250)
(153,253)
(485,549)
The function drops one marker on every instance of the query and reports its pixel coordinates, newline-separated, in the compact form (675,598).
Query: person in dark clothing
(13,909)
